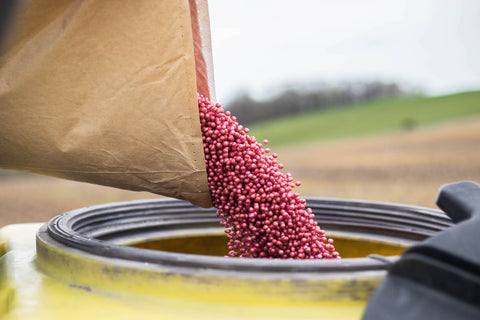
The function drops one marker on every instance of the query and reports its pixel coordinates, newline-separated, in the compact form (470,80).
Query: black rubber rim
(92,229)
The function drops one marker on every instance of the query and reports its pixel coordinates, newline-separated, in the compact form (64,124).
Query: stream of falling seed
(262,216)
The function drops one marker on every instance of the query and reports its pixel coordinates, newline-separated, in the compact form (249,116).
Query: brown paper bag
(105,92)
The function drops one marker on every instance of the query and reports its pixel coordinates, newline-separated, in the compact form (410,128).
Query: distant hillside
(367,118)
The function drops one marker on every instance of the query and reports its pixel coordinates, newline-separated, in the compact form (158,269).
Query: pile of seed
(262,217)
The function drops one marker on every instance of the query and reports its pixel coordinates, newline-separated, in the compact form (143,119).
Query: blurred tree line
(297,100)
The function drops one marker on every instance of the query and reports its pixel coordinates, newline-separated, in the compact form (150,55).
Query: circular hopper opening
(172,250)
(174,228)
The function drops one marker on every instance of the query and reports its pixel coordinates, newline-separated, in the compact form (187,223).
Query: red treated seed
(262,216)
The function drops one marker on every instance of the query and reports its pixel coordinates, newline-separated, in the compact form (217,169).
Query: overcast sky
(259,45)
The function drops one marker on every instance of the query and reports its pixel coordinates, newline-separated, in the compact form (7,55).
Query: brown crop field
(403,167)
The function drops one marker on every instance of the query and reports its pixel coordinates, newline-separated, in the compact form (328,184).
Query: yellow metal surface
(41,281)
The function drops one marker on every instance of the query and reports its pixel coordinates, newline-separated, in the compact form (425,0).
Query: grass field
(343,161)
(363,119)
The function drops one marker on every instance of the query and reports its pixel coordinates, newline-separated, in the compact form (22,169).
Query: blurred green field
(368,118)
